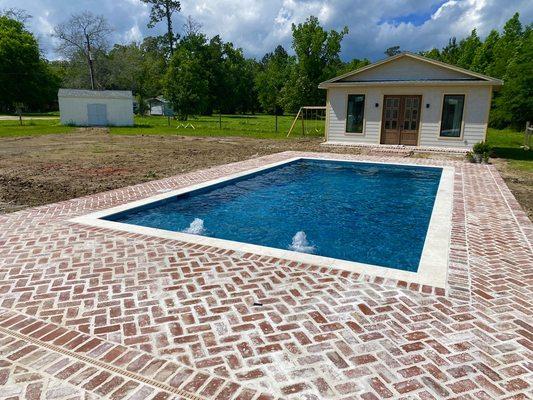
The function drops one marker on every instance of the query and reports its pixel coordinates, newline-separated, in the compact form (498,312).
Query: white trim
(459,138)
(433,265)
(346,98)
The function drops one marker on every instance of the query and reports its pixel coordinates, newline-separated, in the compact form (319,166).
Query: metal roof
(96,94)
(484,79)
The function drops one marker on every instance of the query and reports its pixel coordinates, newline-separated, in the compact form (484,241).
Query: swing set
(313,120)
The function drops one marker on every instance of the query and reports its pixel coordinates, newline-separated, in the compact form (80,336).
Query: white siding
(406,69)
(475,114)
(156,109)
(73,110)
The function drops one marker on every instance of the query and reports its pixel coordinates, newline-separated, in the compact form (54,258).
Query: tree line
(203,75)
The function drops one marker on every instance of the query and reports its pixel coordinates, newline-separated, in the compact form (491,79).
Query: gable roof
(159,99)
(450,74)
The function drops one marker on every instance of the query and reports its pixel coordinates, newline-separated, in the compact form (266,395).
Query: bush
(482,148)
(481,152)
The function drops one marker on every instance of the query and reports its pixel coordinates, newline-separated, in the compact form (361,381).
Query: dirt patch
(36,170)
(519,182)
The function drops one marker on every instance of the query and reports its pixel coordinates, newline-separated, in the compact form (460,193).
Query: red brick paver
(77,300)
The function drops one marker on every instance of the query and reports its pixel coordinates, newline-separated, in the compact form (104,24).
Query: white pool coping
(432,270)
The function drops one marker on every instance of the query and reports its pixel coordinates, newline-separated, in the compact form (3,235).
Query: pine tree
(450,53)
(467,50)
(505,47)
(484,56)
(514,105)
(433,53)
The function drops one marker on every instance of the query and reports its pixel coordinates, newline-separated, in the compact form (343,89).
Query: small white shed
(96,107)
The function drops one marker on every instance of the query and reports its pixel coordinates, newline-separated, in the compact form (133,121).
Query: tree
(317,53)
(433,53)
(83,33)
(186,83)
(450,53)
(160,10)
(229,75)
(353,65)
(392,51)
(467,50)
(18,14)
(192,27)
(506,46)
(74,70)
(485,53)
(271,79)
(25,78)
(135,67)
(514,105)
(238,79)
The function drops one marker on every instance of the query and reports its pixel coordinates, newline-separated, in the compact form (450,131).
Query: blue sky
(258,26)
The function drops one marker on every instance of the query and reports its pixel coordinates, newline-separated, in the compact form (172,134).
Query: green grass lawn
(31,127)
(506,144)
(42,114)
(257,126)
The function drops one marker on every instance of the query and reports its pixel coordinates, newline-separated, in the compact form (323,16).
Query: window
(452,115)
(355,113)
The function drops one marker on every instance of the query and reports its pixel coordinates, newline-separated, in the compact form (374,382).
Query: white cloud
(259,25)
(133,34)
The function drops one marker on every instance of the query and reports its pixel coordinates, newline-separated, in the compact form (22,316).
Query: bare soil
(36,170)
(519,182)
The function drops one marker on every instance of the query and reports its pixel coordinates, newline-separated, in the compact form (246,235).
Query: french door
(401,118)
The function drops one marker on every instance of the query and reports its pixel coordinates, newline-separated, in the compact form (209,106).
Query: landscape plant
(481,151)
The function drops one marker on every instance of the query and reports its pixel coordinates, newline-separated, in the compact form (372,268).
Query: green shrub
(482,148)
(481,152)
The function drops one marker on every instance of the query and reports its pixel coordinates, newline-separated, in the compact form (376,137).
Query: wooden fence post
(527,135)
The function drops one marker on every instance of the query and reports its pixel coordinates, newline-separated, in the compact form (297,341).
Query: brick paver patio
(91,313)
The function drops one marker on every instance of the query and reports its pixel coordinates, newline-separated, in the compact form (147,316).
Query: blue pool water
(370,213)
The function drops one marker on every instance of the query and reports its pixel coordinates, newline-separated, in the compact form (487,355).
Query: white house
(96,107)
(409,100)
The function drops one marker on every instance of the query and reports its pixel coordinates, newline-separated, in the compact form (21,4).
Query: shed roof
(160,99)
(449,75)
(96,94)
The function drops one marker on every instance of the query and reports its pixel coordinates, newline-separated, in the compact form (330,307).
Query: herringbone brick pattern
(99,368)
(30,372)
(320,333)
(19,381)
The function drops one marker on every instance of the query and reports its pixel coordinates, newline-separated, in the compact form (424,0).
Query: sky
(258,26)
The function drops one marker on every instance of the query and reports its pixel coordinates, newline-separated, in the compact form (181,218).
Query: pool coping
(432,270)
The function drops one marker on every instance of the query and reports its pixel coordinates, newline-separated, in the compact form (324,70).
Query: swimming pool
(371,214)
